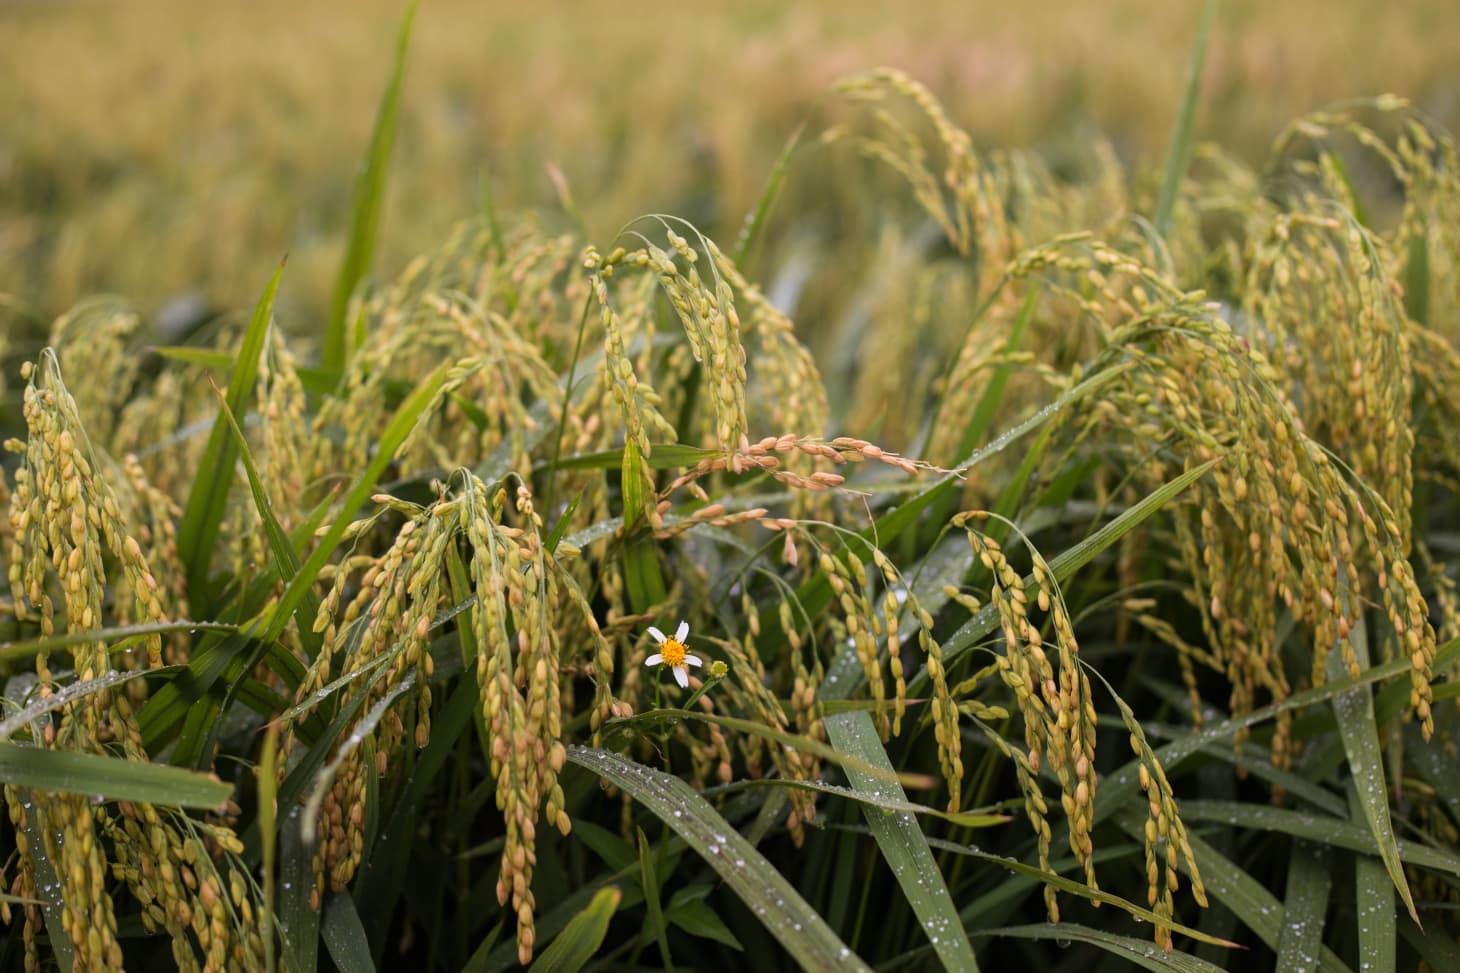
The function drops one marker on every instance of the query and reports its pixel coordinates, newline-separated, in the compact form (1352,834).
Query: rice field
(701,499)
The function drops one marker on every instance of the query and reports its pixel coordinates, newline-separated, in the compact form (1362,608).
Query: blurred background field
(159,148)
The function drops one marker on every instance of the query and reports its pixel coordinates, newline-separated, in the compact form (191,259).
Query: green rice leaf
(649,881)
(659,719)
(268,822)
(197,532)
(1178,153)
(110,778)
(688,911)
(616,853)
(369,200)
(1438,951)
(298,920)
(903,845)
(576,944)
(1321,828)
(632,483)
(1357,726)
(18,651)
(1374,902)
(1305,906)
(756,881)
(755,222)
(37,708)
(344,935)
(964,819)
(479,962)
(1141,952)
(1071,887)
(286,559)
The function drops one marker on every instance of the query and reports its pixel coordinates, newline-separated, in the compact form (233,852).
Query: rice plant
(549,602)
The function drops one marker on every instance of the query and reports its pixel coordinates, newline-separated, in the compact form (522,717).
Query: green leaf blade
(369,201)
(110,778)
(758,883)
(577,943)
(1178,154)
(1359,729)
(903,844)
(198,531)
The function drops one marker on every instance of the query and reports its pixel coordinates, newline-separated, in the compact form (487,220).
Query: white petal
(658,635)
(681,633)
(692,660)
(654,660)
(681,676)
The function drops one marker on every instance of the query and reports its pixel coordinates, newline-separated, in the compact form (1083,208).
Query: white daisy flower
(673,653)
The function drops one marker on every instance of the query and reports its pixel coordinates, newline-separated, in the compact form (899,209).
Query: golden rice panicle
(191,883)
(488,364)
(64,516)
(899,600)
(1319,282)
(1165,840)
(37,823)
(1312,156)
(774,455)
(1354,393)
(1276,515)
(956,197)
(988,206)
(750,692)
(284,429)
(637,401)
(1419,248)
(522,599)
(857,624)
(95,339)
(384,629)
(1058,710)
(74,852)
(482,314)
(67,517)
(706,309)
(518,671)
(785,384)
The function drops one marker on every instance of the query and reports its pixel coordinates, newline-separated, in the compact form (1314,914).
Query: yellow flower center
(673,652)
